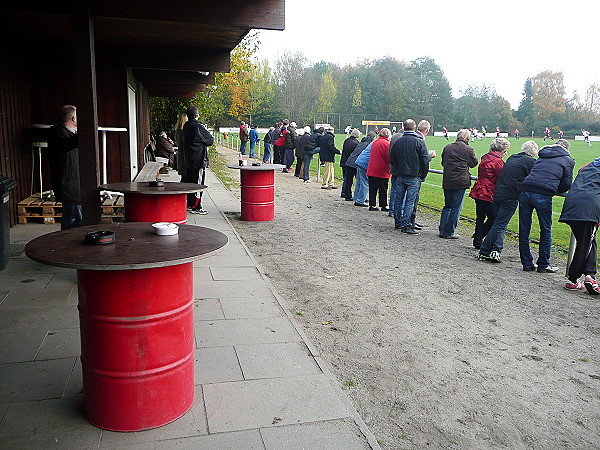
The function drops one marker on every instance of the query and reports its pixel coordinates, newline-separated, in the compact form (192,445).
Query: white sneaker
(199,211)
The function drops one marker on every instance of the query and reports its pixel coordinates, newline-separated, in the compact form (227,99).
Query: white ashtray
(165,228)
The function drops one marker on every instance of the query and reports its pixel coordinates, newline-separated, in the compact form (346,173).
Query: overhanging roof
(171,38)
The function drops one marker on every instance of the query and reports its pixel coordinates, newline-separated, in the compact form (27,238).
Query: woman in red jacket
(483,191)
(378,171)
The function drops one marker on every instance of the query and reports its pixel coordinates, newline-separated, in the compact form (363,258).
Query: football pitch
(432,194)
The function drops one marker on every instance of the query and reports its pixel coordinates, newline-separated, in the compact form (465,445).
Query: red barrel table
(145,203)
(258,191)
(136,318)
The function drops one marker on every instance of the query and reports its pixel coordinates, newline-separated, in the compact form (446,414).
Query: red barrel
(137,346)
(156,207)
(258,195)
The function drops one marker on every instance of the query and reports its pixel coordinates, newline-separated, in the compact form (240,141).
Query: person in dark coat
(63,151)
(300,144)
(289,144)
(581,211)
(457,158)
(483,191)
(164,148)
(551,174)
(347,148)
(409,159)
(311,148)
(506,199)
(196,139)
(328,152)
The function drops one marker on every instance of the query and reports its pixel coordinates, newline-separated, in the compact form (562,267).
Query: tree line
(292,87)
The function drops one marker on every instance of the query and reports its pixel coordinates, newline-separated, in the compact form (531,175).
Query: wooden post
(87,117)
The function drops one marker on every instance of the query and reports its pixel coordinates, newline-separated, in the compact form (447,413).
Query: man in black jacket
(551,174)
(506,199)
(64,167)
(196,140)
(409,159)
(328,152)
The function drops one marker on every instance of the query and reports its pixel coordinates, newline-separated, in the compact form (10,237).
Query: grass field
(432,194)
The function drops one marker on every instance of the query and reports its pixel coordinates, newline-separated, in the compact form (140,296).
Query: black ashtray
(100,237)
(256,164)
(156,183)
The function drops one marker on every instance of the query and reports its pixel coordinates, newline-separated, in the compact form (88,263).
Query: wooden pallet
(37,210)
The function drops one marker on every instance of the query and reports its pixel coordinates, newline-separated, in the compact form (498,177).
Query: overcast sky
(497,43)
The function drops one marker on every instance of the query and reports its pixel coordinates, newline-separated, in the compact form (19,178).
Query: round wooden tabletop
(136,246)
(260,167)
(142,187)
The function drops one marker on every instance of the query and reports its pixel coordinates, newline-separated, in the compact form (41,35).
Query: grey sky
(497,43)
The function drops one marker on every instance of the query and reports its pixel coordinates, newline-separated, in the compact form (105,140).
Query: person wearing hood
(551,174)
(328,152)
(348,147)
(506,199)
(353,168)
(581,211)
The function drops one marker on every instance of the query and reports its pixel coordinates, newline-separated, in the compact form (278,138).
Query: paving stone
(219,260)
(216,365)
(202,274)
(192,423)
(56,423)
(20,298)
(208,309)
(60,344)
(49,318)
(235,273)
(20,346)
(276,360)
(75,383)
(336,434)
(250,307)
(37,380)
(220,333)
(222,289)
(252,404)
(25,281)
(11,318)
(247,440)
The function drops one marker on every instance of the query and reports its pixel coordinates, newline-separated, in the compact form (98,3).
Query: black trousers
(349,174)
(484,220)
(278,154)
(586,252)
(378,185)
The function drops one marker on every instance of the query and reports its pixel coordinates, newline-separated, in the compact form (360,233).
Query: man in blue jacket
(551,174)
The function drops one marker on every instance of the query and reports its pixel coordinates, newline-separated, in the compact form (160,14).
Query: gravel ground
(434,348)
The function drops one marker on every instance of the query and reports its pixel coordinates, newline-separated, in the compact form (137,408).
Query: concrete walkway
(259,383)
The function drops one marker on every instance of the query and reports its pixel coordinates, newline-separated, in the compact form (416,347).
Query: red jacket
(379,162)
(279,142)
(487,174)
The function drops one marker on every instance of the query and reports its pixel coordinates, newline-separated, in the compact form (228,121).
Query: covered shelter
(108,58)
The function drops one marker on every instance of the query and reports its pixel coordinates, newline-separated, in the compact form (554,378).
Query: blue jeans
(543,207)
(243,147)
(392,196)
(362,185)
(71,216)
(252,145)
(453,202)
(407,189)
(494,241)
(267,153)
(307,160)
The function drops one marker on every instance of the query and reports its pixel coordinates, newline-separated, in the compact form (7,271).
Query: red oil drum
(137,346)
(155,208)
(258,195)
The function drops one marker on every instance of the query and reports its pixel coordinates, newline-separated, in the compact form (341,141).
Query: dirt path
(435,348)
